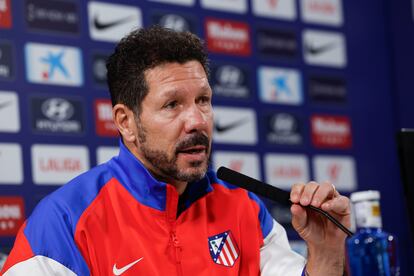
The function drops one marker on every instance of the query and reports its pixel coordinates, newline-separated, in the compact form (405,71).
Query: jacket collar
(132,174)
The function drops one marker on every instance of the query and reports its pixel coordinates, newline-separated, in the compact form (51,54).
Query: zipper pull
(176,244)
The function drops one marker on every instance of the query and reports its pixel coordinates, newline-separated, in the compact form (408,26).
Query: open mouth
(193,150)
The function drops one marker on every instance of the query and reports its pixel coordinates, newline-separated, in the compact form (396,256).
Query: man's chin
(192,174)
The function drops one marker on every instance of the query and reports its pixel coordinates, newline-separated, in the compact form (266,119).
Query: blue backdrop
(342,87)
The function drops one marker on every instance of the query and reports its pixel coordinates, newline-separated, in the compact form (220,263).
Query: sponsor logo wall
(230,81)
(180,22)
(9,112)
(57,164)
(276,9)
(110,22)
(52,16)
(5,14)
(11,215)
(244,162)
(11,164)
(229,37)
(6,61)
(280,85)
(278,74)
(53,64)
(57,115)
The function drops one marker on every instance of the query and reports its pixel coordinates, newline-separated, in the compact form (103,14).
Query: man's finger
(325,191)
(308,192)
(296,192)
(338,205)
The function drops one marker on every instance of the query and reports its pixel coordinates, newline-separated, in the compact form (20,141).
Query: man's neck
(179,185)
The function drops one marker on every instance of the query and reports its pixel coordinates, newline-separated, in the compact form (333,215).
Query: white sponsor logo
(11,164)
(57,109)
(9,112)
(227,37)
(110,22)
(175,22)
(284,170)
(105,111)
(328,12)
(280,9)
(230,82)
(284,129)
(10,211)
(53,64)
(280,85)
(119,271)
(331,131)
(3,6)
(324,48)
(235,126)
(57,164)
(57,115)
(176,2)
(229,75)
(340,170)
(323,126)
(227,32)
(104,154)
(244,162)
(237,6)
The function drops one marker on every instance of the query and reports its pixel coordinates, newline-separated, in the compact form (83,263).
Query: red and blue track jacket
(116,219)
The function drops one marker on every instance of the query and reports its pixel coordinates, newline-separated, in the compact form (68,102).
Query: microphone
(268,191)
(253,185)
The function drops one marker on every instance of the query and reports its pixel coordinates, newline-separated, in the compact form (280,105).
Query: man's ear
(124,120)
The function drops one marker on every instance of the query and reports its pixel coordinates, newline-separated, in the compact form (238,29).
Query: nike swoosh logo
(314,50)
(119,271)
(5,104)
(223,128)
(103,26)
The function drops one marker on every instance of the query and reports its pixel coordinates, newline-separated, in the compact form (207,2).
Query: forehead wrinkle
(168,78)
(170,72)
(173,91)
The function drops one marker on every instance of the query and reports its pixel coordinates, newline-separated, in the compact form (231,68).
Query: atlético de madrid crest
(223,248)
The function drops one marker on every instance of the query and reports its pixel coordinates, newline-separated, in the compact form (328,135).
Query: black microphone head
(254,185)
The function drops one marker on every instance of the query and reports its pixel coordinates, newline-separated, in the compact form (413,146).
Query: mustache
(197,139)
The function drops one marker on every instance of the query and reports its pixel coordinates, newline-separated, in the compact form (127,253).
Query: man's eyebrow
(170,92)
(206,88)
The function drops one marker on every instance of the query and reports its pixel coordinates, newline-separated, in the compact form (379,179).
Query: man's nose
(194,119)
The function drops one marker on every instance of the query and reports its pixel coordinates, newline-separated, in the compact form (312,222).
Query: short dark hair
(144,49)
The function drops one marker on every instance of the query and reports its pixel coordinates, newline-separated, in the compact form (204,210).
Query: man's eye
(171,105)
(204,100)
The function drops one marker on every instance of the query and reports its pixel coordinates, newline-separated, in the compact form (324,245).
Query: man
(156,209)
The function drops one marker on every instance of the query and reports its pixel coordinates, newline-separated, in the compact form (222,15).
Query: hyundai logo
(57,109)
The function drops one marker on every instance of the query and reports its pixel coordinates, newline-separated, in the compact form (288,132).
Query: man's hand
(325,241)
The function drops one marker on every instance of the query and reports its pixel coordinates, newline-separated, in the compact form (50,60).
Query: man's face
(175,124)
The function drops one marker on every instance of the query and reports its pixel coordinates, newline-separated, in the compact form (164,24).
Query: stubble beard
(167,166)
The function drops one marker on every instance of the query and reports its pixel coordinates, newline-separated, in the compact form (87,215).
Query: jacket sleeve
(276,256)
(45,245)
